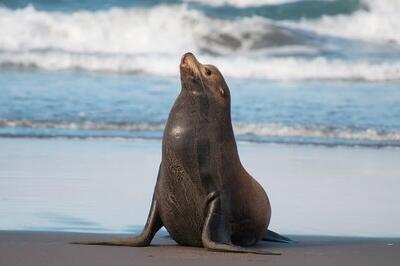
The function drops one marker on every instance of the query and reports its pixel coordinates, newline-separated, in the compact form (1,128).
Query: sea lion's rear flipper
(215,235)
(275,237)
(153,224)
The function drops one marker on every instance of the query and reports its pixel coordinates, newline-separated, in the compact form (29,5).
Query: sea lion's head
(203,79)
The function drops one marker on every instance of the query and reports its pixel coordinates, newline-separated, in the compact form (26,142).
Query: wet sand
(105,186)
(50,248)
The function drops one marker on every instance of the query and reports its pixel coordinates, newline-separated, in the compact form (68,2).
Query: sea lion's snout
(188,58)
(189,66)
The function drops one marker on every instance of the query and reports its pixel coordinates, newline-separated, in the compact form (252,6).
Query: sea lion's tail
(131,242)
(275,237)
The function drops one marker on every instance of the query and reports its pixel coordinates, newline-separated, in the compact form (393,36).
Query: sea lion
(203,196)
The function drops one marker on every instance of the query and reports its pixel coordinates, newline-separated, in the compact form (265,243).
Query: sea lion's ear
(221,91)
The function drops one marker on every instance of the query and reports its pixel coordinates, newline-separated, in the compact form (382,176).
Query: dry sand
(49,248)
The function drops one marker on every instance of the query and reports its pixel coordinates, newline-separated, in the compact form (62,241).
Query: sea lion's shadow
(313,241)
(298,242)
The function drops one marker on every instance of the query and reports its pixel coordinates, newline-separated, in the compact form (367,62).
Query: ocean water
(60,104)
(301,72)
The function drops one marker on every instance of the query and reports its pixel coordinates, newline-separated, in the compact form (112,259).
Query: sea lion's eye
(208,72)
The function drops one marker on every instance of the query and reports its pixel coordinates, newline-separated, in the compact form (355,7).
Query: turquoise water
(284,9)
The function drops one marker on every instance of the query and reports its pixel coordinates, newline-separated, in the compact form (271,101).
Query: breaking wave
(378,23)
(152,39)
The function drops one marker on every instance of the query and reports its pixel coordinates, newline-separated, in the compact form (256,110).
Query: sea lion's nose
(187,57)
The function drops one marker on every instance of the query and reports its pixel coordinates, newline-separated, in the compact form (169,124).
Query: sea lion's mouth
(189,67)
(187,72)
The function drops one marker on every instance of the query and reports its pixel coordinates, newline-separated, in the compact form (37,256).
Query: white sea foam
(242,3)
(240,129)
(168,30)
(277,130)
(81,125)
(317,68)
(232,66)
(152,41)
(160,30)
(380,23)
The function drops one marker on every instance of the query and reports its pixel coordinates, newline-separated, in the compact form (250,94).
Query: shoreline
(106,186)
(156,140)
(53,248)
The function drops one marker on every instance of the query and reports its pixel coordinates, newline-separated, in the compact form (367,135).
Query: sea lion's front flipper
(275,237)
(215,235)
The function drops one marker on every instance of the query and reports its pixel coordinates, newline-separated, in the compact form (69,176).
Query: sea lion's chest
(180,188)
(186,132)
(187,146)
(180,136)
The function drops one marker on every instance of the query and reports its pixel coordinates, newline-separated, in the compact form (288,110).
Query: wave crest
(151,40)
(378,23)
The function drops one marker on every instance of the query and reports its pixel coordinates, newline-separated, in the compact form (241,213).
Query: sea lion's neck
(208,116)
(213,127)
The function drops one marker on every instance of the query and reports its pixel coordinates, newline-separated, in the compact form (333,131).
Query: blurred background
(76,74)
(320,72)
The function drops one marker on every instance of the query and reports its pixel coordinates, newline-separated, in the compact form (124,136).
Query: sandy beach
(45,248)
(52,189)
